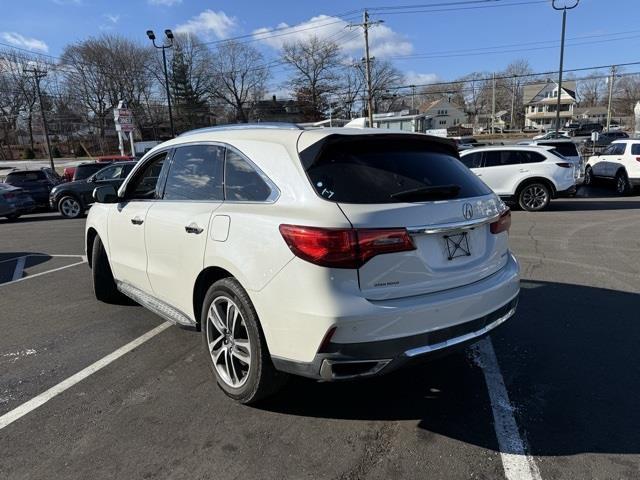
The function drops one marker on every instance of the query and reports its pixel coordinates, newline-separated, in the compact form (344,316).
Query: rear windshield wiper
(437,192)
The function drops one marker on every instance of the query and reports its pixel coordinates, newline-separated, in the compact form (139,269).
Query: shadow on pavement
(34,218)
(570,363)
(9,260)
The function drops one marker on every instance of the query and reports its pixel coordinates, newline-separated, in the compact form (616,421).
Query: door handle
(137,221)
(193,228)
(522,170)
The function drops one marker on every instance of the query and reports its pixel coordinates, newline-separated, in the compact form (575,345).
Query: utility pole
(413,97)
(366,24)
(37,76)
(564,28)
(513,101)
(611,82)
(493,103)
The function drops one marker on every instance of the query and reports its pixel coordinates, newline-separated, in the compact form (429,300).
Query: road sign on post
(123,118)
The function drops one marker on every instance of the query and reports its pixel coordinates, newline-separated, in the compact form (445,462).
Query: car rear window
(566,149)
(85,171)
(387,169)
(17,177)
(635,149)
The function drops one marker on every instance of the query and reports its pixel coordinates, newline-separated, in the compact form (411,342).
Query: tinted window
(619,148)
(531,157)
(387,169)
(85,171)
(498,158)
(242,182)
(21,177)
(196,174)
(110,173)
(472,160)
(145,183)
(635,149)
(567,149)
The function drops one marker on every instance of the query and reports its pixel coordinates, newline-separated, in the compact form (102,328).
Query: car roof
(534,148)
(286,135)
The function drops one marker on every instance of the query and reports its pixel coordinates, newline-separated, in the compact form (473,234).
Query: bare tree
(592,92)
(239,77)
(316,65)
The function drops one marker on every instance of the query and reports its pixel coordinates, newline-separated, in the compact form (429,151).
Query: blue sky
(423,44)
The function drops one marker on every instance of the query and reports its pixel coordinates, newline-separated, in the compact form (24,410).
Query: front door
(178,224)
(127,225)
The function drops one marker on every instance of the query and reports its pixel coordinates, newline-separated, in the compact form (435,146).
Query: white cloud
(24,42)
(166,3)
(383,41)
(208,24)
(415,78)
(112,18)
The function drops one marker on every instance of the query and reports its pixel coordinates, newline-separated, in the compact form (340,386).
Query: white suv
(620,162)
(329,253)
(529,175)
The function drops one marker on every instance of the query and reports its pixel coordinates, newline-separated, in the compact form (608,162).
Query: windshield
(389,169)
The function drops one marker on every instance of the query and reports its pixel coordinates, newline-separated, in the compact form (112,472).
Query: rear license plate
(457,245)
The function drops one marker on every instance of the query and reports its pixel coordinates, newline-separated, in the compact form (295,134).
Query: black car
(72,199)
(586,129)
(36,182)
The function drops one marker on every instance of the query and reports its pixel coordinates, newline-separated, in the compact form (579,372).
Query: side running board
(156,306)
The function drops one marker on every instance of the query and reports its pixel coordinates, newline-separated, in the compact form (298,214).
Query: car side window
(242,183)
(635,149)
(531,157)
(610,150)
(109,173)
(473,160)
(620,148)
(145,185)
(196,173)
(501,158)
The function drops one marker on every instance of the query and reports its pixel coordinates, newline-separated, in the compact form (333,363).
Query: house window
(443,122)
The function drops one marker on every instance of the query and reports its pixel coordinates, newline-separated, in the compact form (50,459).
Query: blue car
(14,202)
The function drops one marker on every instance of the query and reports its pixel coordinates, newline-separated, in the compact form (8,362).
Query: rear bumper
(421,326)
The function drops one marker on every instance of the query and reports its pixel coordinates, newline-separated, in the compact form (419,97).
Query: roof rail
(245,126)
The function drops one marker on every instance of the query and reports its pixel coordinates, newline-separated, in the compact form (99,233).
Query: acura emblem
(467,211)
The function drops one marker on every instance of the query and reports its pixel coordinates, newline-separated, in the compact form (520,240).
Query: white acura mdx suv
(328,253)
(619,162)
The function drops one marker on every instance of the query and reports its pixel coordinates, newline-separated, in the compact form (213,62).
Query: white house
(444,113)
(541,103)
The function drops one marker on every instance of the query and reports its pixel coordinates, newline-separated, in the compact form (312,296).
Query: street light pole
(163,47)
(564,27)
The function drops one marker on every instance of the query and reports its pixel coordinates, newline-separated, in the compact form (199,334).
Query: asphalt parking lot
(553,394)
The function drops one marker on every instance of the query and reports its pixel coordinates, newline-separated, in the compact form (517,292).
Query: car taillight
(564,165)
(637,159)
(503,224)
(344,247)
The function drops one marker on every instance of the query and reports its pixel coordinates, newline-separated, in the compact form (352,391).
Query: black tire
(13,216)
(70,207)
(534,197)
(588,177)
(261,379)
(104,286)
(622,184)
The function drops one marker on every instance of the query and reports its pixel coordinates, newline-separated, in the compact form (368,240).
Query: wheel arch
(205,279)
(543,180)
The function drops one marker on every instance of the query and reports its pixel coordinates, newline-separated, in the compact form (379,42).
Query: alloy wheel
(534,197)
(70,207)
(621,184)
(228,341)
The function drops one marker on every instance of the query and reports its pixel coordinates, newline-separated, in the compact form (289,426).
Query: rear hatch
(416,182)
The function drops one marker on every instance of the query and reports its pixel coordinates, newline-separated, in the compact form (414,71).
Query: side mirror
(105,194)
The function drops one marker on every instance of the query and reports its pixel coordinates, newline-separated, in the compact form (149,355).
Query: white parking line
(17,273)
(42,255)
(44,397)
(517,464)
(43,273)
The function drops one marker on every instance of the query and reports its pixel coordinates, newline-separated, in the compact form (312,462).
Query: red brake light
(637,159)
(503,224)
(564,165)
(344,248)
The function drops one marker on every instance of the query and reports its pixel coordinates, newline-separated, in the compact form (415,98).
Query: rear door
(384,182)
(177,226)
(615,159)
(501,170)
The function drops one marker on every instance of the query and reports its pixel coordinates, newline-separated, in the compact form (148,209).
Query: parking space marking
(517,464)
(44,397)
(17,272)
(44,273)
